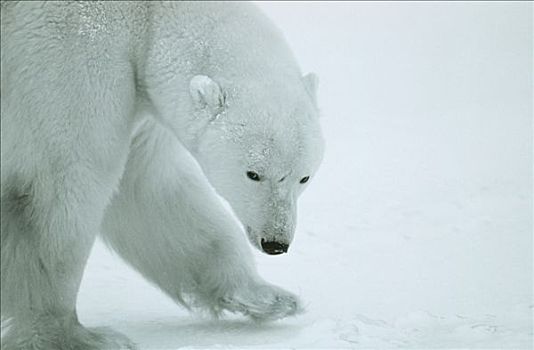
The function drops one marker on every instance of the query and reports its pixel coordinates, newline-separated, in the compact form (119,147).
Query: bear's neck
(232,42)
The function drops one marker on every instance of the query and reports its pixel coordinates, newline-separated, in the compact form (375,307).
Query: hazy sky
(427,113)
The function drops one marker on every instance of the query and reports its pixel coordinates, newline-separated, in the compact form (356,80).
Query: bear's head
(259,147)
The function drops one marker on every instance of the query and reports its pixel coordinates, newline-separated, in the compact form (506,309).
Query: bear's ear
(311,82)
(206,92)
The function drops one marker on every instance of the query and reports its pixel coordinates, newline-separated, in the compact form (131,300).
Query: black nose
(274,248)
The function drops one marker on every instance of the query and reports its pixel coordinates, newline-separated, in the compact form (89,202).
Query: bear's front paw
(263,303)
(54,335)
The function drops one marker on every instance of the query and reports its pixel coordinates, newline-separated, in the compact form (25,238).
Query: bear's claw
(264,303)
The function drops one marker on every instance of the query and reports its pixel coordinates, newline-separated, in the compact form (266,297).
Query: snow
(417,230)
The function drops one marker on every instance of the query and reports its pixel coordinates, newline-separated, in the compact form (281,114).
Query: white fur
(146,109)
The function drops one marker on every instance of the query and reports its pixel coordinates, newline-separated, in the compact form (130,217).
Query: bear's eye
(253,176)
(304,179)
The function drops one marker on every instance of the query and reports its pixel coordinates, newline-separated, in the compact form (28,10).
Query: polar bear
(133,120)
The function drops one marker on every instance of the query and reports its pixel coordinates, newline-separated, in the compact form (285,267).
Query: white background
(417,230)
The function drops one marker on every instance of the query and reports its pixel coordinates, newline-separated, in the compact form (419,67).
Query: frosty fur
(130,119)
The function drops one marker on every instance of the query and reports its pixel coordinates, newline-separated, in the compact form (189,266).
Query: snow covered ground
(417,231)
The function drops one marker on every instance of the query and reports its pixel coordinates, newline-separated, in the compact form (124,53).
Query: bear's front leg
(169,223)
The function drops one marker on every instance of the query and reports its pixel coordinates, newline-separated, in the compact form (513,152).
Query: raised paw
(263,303)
